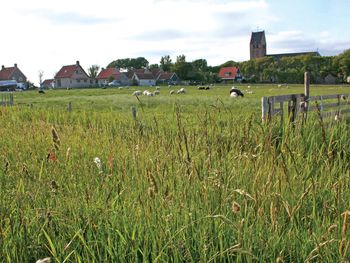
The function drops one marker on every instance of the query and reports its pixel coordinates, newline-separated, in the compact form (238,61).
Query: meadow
(196,177)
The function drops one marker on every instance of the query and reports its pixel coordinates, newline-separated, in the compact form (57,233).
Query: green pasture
(195,177)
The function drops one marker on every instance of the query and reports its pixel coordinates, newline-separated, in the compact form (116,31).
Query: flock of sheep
(156,92)
(234,92)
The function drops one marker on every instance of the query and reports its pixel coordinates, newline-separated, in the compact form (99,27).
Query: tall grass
(175,185)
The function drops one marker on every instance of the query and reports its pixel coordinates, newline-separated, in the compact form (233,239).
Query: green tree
(93,71)
(182,68)
(165,63)
(129,63)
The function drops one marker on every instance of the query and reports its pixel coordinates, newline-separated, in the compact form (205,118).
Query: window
(227,74)
(78,80)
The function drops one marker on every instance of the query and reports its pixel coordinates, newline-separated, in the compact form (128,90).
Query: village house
(48,84)
(230,74)
(169,78)
(110,74)
(13,74)
(143,79)
(72,76)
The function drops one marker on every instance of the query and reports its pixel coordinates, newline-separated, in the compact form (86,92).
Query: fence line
(334,105)
(6,99)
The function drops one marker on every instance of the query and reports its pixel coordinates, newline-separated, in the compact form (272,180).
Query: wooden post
(133,112)
(306,95)
(265,109)
(69,107)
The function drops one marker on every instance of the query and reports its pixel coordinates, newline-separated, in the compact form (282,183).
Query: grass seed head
(235,207)
(55,138)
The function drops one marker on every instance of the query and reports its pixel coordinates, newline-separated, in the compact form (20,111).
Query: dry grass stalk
(55,138)
(345,222)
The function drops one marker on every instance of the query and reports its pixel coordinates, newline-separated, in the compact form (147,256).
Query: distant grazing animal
(148,93)
(41,92)
(157,88)
(137,93)
(172,92)
(156,92)
(203,87)
(236,92)
(181,91)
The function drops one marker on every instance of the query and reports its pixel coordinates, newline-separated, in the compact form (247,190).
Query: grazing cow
(236,92)
(41,92)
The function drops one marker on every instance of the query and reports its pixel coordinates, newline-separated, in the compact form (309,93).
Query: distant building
(72,76)
(230,74)
(143,79)
(13,74)
(48,84)
(108,74)
(258,48)
(257,45)
(169,78)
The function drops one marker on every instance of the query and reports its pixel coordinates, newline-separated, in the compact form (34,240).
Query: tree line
(267,69)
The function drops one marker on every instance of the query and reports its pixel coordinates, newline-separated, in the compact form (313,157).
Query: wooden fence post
(133,112)
(306,95)
(69,106)
(265,109)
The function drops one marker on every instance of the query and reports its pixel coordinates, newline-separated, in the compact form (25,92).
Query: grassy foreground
(195,178)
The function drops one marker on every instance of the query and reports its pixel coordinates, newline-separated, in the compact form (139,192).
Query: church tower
(257,45)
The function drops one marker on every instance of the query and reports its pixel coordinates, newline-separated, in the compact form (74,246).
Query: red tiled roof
(165,75)
(109,72)
(48,81)
(144,75)
(156,72)
(228,72)
(66,71)
(5,73)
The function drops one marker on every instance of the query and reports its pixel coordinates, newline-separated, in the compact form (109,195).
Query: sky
(44,35)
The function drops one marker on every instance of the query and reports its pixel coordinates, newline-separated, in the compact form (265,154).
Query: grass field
(195,178)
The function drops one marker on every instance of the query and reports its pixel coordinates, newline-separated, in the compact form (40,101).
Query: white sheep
(172,92)
(157,88)
(181,91)
(156,92)
(137,93)
(148,93)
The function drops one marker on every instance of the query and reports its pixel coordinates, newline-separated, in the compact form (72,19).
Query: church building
(258,48)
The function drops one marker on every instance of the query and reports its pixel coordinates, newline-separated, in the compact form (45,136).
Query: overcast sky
(47,34)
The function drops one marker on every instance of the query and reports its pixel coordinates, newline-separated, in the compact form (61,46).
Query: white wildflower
(98,163)
(44,260)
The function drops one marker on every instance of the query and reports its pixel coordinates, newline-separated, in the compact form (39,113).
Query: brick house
(13,73)
(108,74)
(230,74)
(72,76)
